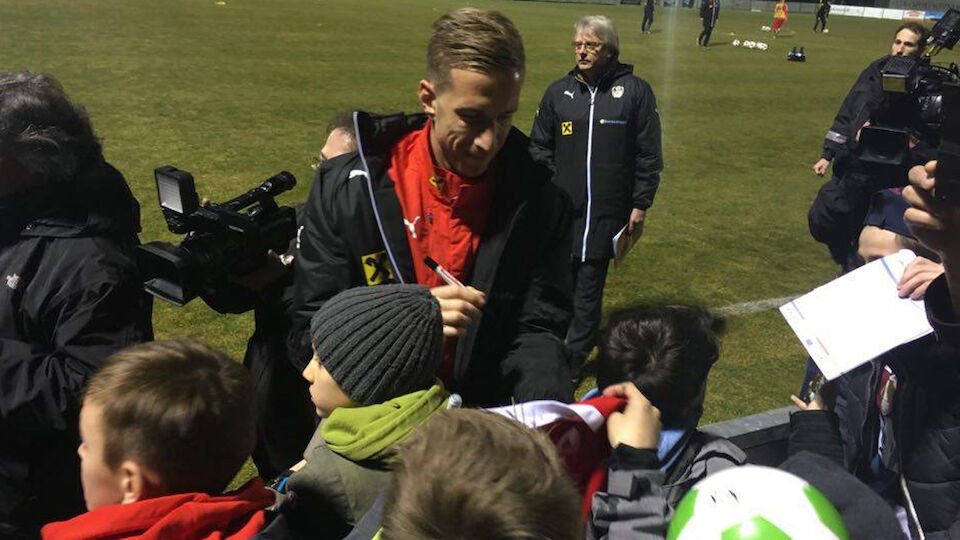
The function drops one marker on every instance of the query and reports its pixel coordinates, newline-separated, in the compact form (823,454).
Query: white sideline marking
(755,306)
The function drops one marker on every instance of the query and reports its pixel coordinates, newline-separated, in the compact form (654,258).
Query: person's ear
(137,482)
(427,93)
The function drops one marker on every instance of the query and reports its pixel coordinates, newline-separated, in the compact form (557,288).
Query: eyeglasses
(588,45)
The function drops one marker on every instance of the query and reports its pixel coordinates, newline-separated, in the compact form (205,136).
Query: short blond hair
(472,474)
(475,40)
(181,408)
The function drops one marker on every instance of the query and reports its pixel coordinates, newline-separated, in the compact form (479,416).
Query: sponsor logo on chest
(377,269)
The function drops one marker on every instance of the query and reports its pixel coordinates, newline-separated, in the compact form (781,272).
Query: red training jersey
(444,214)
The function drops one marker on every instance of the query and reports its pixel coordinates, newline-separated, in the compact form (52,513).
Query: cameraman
(836,216)
(69,295)
(285,417)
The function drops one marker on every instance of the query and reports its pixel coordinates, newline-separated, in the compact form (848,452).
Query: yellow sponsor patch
(376,268)
(566,128)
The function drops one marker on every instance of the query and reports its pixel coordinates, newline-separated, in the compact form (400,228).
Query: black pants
(837,213)
(647,21)
(822,21)
(704,39)
(589,278)
(285,416)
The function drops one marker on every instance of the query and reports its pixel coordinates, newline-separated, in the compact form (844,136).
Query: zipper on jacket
(586,224)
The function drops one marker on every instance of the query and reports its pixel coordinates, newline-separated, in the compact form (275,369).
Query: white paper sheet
(857,317)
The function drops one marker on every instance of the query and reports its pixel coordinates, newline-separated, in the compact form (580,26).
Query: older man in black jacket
(599,130)
(69,292)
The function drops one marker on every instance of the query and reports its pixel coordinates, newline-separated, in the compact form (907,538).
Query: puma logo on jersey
(410,225)
(569,93)
(13,281)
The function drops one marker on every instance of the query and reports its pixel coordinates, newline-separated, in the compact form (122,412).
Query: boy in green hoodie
(376,350)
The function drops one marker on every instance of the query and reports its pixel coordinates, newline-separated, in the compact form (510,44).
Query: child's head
(373,344)
(473,474)
(666,351)
(162,418)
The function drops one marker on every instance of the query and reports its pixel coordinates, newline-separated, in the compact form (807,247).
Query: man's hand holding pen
(459,305)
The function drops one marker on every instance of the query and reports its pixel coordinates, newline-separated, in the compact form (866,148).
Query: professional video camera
(913,105)
(230,238)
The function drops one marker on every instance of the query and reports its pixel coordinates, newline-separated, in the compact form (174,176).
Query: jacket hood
(191,515)
(614,72)
(360,433)
(97,201)
(377,134)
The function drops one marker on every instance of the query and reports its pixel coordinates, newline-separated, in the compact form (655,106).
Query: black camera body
(912,108)
(948,155)
(920,106)
(230,238)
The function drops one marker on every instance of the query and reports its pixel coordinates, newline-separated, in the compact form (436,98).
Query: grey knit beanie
(381,342)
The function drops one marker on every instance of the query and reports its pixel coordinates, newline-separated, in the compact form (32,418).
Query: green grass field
(237,91)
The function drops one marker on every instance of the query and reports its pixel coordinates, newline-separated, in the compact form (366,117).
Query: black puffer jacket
(924,423)
(862,99)
(69,297)
(603,143)
(516,350)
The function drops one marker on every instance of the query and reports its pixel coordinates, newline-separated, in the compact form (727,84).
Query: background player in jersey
(780,11)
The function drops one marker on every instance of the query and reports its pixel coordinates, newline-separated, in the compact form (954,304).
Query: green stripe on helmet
(682,514)
(754,528)
(826,512)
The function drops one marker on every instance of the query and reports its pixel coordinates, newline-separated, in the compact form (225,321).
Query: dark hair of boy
(471,474)
(180,408)
(667,351)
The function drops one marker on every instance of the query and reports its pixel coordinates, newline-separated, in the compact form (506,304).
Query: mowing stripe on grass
(747,308)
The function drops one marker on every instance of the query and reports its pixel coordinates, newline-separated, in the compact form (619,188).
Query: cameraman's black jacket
(69,297)
(516,350)
(922,434)
(604,145)
(863,98)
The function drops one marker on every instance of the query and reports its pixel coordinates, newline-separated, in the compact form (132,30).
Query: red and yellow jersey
(780,10)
